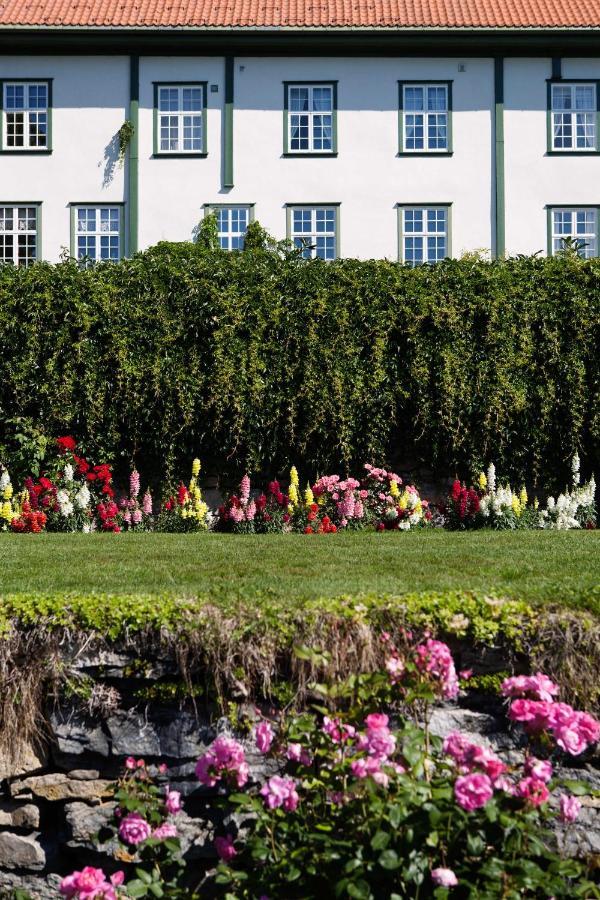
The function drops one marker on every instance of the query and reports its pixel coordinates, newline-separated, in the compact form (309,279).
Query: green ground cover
(562,567)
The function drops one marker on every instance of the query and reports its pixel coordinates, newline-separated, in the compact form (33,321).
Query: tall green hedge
(256,360)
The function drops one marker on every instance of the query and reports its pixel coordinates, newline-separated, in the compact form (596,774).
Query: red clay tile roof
(267,14)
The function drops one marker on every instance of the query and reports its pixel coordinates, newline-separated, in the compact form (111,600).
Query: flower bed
(76,495)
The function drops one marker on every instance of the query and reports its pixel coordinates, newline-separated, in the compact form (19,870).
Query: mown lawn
(557,566)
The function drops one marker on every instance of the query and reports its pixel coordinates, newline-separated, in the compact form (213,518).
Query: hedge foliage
(259,359)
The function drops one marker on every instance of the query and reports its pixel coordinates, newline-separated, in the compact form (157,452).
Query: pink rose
(444,877)
(279,791)
(173,802)
(224,847)
(538,768)
(473,791)
(533,791)
(263,735)
(569,807)
(134,829)
(164,831)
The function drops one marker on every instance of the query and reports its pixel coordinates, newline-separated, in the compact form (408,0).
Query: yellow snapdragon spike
(482,481)
(516,505)
(309,497)
(418,507)
(293,495)
(536,503)
(196,468)
(321,500)
(294,479)
(403,501)
(523,497)
(8,491)
(394,489)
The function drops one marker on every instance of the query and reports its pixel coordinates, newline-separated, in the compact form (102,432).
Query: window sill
(179,155)
(572,153)
(25,152)
(430,153)
(293,155)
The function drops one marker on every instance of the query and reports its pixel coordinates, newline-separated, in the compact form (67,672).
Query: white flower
(404,525)
(82,497)
(4,480)
(575,469)
(491,478)
(68,473)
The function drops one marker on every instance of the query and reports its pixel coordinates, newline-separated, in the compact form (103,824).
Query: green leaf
(389,859)
(380,840)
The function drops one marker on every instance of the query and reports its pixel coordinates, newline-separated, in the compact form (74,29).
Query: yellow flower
(482,481)
(309,497)
(196,468)
(418,507)
(6,511)
(536,503)
(523,496)
(516,505)
(394,489)
(294,479)
(403,501)
(293,495)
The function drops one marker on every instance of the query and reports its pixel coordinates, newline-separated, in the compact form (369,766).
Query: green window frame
(20,233)
(550,149)
(157,152)
(425,151)
(290,208)
(216,207)
(287,113)
(74,207)
(573,208)
(25,150)
(403,207)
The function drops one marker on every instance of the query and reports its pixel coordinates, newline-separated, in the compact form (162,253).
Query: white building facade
(349,150)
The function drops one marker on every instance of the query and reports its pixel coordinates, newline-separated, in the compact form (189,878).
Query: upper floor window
(574,116)
(314,230)
(424,234)
(180,119)
(19,234)
(26,110)
(310,125)
(425,117)
(98,233)
(578,227)
(232,224)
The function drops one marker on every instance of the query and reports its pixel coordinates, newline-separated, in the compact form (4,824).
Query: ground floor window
(574,226)
(424,234)
(19,234)
(314,230)
(232,224)
(98,233)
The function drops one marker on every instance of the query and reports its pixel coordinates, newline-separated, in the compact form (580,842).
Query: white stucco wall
(367,178)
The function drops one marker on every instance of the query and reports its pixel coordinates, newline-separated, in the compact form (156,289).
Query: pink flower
(134,483)
(337,731)
(536,687)
(534,714)
(164,831)
(444,877)
(533,791)
(394,668)
(223,759)
(469,756)
(136,516)
(91,884)
(134,829)
(298,753)
(379,740)
(224,847)
(434,658)
(147,503)
(173,802)
(263,735)
(569,807)
(280,791)
(574,733)
(245,488)
(473,791)
(538,768)
(369,766)
(130,763)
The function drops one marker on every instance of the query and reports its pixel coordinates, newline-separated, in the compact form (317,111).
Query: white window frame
(590,238)
(313,117)
(227,237)
(570,119)
(179,116)
(26,212)
(316,235)
(425,233)
(29,114)
(99,233)
(426,115)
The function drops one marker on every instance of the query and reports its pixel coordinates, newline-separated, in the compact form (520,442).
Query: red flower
(456,490)
(182,494)
(380,526)
(311,516)
(82,465)
(90,476)
(314,507)
(308,530)
(66,443)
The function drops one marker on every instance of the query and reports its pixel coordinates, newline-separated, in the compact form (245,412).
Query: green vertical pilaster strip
(228,125)
(134,144)
(500,246)
(556,67)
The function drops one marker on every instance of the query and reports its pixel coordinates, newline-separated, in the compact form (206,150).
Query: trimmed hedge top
(260,359)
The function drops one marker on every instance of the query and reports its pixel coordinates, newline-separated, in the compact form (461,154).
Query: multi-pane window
(424,118)
(18,235)
(574,113)
(575,225)
(313,230)
(25,106)
(311,109)
(180,115)
(98,233)
(424,233)
(232,224)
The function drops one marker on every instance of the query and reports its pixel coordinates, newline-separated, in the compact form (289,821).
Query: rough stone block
(58,786)
(19,815)
(18,851)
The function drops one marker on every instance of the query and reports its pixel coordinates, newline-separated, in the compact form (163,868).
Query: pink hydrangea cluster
(224,759)
(535,687)
(91,884)
(573,730)
(280,791)
(435,659)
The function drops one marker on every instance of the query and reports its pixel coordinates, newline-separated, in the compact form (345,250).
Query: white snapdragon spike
(551,503)
(491,478)
(68,473)
(404,525)
(4,480)
(82,497)
(575,469)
